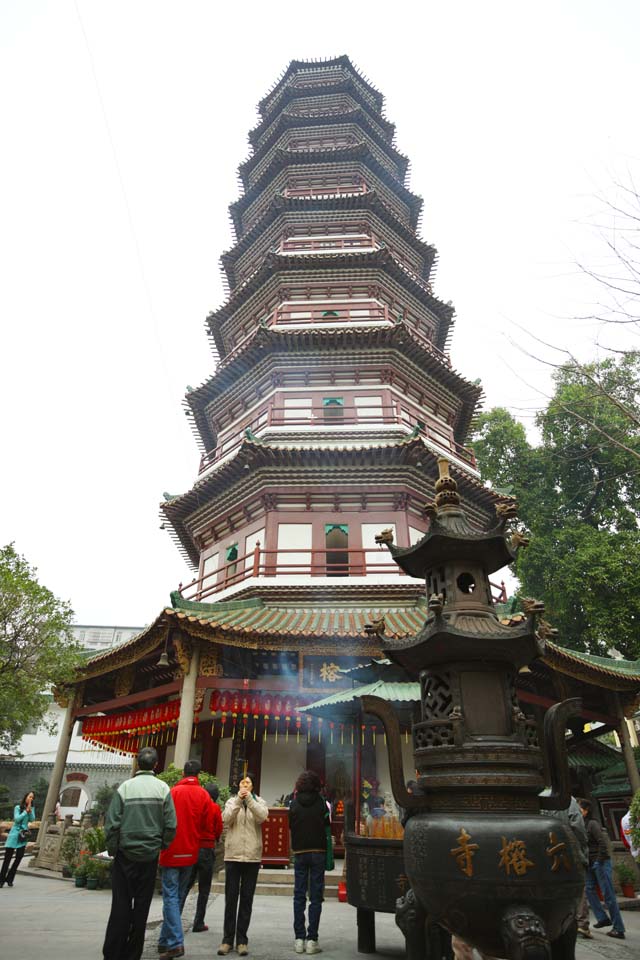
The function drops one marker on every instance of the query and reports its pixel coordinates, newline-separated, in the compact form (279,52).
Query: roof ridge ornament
(447,495)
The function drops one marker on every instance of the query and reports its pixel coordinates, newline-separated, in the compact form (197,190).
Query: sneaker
(616,934)
(242,949)
(298,946)
(312,947)
(224,949)
(602,923)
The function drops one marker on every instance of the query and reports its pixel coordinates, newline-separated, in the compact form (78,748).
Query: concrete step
(278,890)
(279,883)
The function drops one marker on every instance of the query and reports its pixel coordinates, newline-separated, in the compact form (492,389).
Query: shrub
(635,820)
(95,840)
(70,849)
(625,872)
(173,775)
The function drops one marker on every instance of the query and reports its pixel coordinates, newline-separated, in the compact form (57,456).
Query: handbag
(24,836)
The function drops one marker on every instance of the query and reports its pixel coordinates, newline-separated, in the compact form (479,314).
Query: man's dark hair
(192,768)
(213,790)
(584,804)
(308,782)
(147,758)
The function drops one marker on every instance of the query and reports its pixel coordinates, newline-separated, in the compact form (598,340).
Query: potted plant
(626,878)
(69,849)
(93,873)
(81,871)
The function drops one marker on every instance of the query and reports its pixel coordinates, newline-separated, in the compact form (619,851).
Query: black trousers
(203,873)
(239,882)
(8,873)
(132,889)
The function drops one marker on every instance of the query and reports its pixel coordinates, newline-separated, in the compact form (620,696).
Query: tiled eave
(319,158)
(610,673)
(327,205)
(348,264)
(335,342)
(268,101)
(346,464)
(347,87)
(288,121)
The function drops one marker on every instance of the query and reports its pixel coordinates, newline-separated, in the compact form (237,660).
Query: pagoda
(332,398)
(333,394)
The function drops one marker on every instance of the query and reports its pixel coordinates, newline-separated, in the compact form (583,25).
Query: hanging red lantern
(214,701)
(277,712)
(331,726)
(320,722)
(298,725)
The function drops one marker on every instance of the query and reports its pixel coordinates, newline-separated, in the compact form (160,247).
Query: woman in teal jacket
(23,814)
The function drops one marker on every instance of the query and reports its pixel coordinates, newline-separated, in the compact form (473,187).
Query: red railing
(316,563)
(334,416)
(274,563)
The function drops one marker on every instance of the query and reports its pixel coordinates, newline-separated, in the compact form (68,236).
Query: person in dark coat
(599,874)
(308,821)
(141,821)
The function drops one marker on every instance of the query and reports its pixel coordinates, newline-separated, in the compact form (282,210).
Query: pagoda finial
(446,487)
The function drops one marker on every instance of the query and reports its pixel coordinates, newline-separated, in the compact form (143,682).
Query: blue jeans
(308,874)
(175,881)
(600,873)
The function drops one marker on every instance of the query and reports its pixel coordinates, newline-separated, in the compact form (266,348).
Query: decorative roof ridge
(292,93)
(198,606)
(382,257)
(629,669)
(288,121)
(358,151)
(278,204)
(294,65)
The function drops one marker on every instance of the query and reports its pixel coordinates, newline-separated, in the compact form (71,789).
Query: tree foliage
(37,649)
(579,496)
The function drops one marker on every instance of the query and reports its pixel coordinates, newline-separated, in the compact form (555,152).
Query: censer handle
(555,724)
(385,712)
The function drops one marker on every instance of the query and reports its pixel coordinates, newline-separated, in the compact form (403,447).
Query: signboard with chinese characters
(326,673)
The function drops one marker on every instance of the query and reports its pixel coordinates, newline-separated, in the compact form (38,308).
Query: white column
(187,703)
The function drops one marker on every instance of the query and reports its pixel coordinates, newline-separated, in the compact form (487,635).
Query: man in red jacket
(195,815)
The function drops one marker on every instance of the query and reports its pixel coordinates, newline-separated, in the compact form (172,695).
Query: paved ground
(43,917)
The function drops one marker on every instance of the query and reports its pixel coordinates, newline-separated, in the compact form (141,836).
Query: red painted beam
(118,703)
(540,701)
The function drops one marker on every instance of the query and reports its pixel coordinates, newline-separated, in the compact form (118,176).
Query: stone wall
(20,775)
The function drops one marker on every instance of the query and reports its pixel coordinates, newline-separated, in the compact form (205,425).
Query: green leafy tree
(579,496)
(37,649)
(103,798)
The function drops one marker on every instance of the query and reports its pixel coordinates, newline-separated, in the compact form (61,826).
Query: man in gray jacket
(140,822)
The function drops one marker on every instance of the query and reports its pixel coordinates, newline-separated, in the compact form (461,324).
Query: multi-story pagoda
(331,400)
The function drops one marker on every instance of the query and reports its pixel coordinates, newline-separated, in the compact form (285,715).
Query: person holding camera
(17,838)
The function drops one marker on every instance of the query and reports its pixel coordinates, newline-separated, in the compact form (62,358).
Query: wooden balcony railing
(259,563)
(328,244)
(332,417)
(329,312)
(326,187)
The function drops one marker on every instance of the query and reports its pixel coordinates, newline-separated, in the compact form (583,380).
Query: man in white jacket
(243,817)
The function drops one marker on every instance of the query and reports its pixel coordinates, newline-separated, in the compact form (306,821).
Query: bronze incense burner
(483,857)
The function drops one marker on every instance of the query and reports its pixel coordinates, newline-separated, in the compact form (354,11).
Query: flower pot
(628,890)
(81,881)
(92,883)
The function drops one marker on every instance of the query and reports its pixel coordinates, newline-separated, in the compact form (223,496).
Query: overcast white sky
(122,126)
